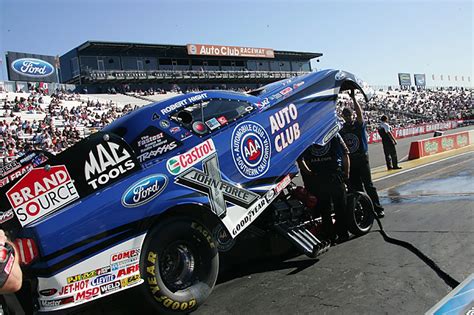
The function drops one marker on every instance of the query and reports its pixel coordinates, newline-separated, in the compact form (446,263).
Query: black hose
(443,275)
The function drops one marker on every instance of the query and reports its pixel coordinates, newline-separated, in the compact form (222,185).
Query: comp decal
(152,143)
(285,128)
(85,281)
(178,164)
(251,149)
(210,182)
(40,192)
(107,162)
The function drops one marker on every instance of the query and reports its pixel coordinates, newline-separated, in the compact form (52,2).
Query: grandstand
(105,64)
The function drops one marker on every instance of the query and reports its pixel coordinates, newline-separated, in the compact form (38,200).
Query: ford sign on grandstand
(32,67)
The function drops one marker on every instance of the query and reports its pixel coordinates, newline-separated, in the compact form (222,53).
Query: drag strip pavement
(431,207)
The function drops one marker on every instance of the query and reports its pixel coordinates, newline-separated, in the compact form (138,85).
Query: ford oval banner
(31,67)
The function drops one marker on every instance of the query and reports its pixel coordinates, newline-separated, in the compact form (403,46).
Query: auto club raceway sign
(40,192)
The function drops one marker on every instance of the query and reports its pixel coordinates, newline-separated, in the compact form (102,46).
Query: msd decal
(107,161)
(41,192)
(284,124)
(32,67)
(144,190)
(251,149)
(178,164)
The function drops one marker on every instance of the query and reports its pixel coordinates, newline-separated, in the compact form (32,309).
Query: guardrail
(435,145)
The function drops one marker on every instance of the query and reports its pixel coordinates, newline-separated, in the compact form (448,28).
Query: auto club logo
(32,67)
(251,149)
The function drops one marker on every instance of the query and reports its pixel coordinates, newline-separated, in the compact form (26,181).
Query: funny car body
(154,197)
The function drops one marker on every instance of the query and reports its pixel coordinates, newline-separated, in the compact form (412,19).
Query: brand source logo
(178,164)
(251,149)
(32,67)
(144,190)
(41,192)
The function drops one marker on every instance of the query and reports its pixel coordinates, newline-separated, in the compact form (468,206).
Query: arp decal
(178,164)
(144,190)
(152,143)
(41,192)
(209,182)
(251,149)
(107,161)
(284,124)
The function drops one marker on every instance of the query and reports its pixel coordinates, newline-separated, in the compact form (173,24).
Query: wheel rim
(361,216)
(178,266)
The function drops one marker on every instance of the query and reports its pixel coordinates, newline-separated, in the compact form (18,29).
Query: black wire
(443,275)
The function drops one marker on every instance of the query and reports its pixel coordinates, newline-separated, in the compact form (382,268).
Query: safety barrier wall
(399,133)
(440,144)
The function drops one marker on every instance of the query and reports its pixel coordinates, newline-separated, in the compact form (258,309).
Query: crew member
(388,142)
(10,272)
(354,133)
(324,170)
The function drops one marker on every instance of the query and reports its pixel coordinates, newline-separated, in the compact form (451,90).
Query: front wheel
(360,214)
(180,264)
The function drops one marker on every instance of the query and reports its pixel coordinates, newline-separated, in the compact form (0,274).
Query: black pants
(329,189)
(390,155)
(360,178)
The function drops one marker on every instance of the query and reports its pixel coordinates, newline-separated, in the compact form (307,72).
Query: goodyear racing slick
(155,197)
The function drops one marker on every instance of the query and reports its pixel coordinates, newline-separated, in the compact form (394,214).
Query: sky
(373,39)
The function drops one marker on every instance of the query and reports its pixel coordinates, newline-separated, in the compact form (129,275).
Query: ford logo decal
(144,190)
(32,67)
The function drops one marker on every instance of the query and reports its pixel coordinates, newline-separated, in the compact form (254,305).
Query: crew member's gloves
(7,258)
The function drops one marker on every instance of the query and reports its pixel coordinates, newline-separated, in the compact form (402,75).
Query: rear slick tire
(360,214)
(179,264)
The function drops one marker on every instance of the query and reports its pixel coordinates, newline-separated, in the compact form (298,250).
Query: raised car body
(89,209)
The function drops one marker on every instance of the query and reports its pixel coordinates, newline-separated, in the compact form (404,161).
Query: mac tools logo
(107,162)
(251,149)
(144,190)
(32,67)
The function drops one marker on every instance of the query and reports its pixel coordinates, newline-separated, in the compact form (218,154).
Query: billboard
(420,79)
(229,51)
(31,67)
(404,79)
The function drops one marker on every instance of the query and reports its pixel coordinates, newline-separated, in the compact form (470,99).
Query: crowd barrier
(405,132)
(435,145)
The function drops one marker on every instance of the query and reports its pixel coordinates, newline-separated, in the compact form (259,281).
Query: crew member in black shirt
(324,170)
(354,134)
